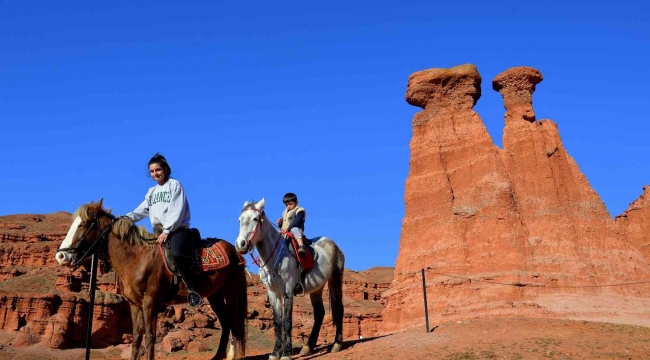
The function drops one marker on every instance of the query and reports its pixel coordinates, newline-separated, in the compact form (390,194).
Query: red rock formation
(31,240)
(635,223)
(455,175)
(565,220)
(457,193)
(34,228)
(8,273)
(366,285)
(60,320)
(523,215)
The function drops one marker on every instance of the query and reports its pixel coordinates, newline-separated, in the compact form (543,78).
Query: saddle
(306,263)
(210,252)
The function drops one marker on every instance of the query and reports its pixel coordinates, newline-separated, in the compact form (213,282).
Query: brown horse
(143,277)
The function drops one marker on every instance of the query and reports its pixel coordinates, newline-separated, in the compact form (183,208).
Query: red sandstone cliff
(524,214)
(634,223)
(27,240)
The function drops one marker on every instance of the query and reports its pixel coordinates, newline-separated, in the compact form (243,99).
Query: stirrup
(194,299)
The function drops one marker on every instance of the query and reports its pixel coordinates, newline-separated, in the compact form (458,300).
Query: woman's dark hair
(289,197)
(159,159)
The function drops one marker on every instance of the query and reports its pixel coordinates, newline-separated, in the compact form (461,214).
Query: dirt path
(520,338)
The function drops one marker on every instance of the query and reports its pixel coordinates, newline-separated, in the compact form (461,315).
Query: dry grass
(38,282)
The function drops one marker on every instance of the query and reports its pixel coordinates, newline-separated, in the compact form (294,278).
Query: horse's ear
(246,204)
(98,205)
(260,205)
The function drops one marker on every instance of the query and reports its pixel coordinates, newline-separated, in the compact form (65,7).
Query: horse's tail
(335,285)
(239,317)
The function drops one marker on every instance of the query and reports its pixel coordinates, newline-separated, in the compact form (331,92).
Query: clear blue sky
(254,99)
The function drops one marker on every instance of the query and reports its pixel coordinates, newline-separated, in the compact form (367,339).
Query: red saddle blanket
(211,254)
(213,257)
(307,261)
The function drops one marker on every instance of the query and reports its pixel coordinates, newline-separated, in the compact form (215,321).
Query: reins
(256,259)
(102,236)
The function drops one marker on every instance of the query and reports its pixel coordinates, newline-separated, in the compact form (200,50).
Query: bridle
(91,249)
(249,240)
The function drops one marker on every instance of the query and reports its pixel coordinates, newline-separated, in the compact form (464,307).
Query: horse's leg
(276,305)
(287,323)
(219,308)
(335,285)
(150,314)
(138,326)
(319,314)
(237,302)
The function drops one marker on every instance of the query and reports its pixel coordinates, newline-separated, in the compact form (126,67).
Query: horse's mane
(123,227)
(132,234)
(250,205)
(84,212)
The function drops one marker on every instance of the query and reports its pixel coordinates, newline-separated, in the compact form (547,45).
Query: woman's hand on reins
(161,239)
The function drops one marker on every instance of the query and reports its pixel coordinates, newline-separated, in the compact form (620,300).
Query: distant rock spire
(517,85)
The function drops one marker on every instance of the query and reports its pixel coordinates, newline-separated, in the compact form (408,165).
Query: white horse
(280,274)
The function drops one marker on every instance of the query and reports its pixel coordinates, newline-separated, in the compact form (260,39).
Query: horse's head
(250,225)
(83,236)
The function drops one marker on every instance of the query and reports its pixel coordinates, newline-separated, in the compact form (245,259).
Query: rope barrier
(521,284)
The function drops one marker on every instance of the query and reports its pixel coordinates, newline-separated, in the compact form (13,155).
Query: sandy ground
(506,338)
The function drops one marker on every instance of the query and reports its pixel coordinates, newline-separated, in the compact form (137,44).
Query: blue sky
(254,99)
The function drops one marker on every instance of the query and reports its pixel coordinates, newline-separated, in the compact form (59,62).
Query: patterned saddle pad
(212,256)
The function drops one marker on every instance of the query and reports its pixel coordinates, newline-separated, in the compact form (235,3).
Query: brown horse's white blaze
(65,257)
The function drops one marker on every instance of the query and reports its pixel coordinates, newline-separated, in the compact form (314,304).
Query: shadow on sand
(319,350)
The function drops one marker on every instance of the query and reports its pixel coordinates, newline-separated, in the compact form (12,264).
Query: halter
(77,249)
(256,260)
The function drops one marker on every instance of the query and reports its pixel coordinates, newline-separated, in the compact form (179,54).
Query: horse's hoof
(305,350)
(337,347)
(273,357)
(285,358)
(231,352)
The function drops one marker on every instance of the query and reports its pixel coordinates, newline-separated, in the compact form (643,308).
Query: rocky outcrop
(634,223)
(31,240)
(456,193)
(26,228)
(366,285)
(522,215)
(569,230)
(60,320)
(457,186)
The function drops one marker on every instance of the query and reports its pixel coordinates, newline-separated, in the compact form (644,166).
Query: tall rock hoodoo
(477,215)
